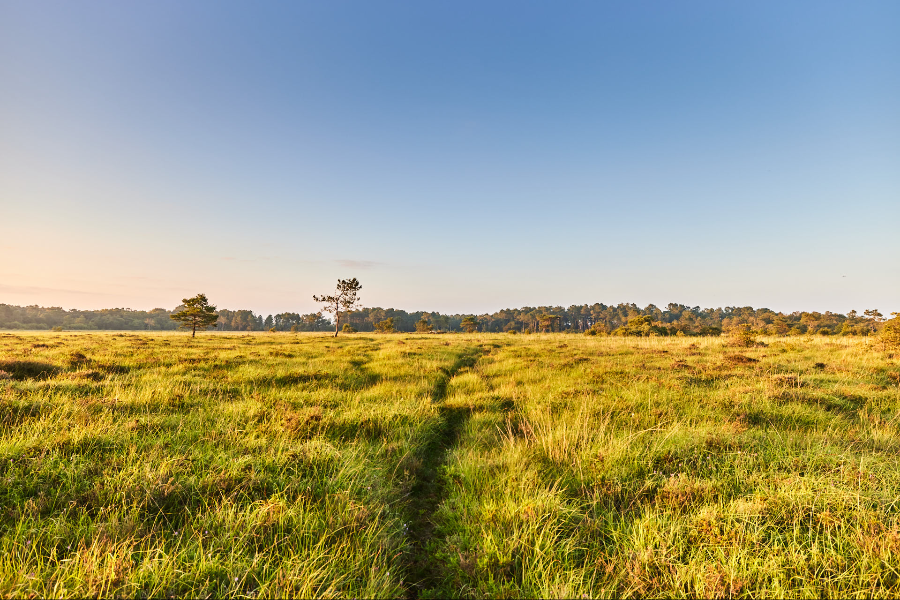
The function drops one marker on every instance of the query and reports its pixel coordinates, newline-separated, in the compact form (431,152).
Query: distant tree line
(39,317)
(158,319)
(599,319)
(628,319)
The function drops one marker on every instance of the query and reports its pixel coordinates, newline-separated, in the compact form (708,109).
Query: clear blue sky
(455,156)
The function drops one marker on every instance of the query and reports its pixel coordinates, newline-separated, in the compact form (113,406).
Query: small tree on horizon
(385,326)
(873,320)
(198,313)
(547,321)
(344,300)
(423,326)
(469,324)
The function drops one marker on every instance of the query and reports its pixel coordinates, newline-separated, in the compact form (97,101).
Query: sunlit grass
(435,465)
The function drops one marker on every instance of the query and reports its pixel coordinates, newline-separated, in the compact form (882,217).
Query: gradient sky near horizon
(457,156)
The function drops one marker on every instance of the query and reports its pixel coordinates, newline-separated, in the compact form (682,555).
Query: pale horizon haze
(457,157)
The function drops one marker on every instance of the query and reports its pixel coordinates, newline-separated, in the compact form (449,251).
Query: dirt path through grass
(428,491)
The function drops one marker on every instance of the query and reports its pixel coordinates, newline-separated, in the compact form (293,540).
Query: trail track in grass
(428,491)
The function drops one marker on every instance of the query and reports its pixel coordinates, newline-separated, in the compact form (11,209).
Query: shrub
(890,333)
(742,336)
(348,328)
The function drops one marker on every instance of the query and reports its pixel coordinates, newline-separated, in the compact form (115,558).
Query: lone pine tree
(344,300)
(198,313)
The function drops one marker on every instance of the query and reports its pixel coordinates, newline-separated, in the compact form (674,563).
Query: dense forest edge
(599,319)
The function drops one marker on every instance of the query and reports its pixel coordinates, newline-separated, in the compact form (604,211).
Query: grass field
(477,466)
